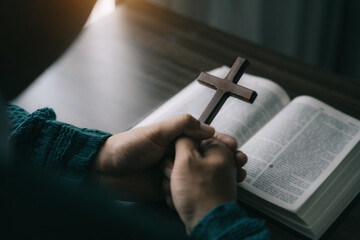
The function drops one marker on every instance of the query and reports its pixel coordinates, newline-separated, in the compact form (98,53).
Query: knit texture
(42,142)
(229,221)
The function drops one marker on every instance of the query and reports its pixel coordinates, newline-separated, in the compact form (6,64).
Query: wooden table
(123,66)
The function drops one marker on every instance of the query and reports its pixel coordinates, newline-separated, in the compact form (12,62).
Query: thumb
(168,130)
(185,149)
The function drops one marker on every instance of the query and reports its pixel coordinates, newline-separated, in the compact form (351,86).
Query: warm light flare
(101,9)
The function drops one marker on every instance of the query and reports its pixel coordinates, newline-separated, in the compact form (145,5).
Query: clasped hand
(203,174)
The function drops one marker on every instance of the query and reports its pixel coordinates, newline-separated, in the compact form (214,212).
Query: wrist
(101,157)
(201,211)
(219,221)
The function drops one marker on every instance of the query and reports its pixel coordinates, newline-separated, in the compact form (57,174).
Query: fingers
(167,131)
(241,175)
(185,145)
(168,165)
(192,127)
(217,147)
(240,157)
(212,147)
(227,140)
(241,160)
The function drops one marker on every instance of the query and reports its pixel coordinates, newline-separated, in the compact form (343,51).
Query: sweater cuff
(41,142)
(228,221)
(84,146)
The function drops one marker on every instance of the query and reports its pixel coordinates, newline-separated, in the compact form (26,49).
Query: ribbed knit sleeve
(229,221)
(42,142)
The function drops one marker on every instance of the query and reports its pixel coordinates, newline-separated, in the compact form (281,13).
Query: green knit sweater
(41,142)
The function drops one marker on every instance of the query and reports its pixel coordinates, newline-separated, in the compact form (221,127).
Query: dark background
(325,33)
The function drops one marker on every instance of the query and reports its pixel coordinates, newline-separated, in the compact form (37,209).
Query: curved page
(236,118)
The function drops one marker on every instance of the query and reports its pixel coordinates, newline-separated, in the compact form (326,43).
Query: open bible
(303,155)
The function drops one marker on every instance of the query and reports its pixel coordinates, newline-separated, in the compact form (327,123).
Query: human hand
(130,162)
(203,176)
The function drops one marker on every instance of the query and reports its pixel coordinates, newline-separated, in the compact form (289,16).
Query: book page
(236,118)
(297,150)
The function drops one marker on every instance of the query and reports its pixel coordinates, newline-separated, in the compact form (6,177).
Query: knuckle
(223,157)
(220,162)
(187,120)
(188,157)
(244,156)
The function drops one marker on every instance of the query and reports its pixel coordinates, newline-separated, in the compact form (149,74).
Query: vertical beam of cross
(225,87)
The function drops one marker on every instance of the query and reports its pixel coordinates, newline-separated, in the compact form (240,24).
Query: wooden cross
(225,87)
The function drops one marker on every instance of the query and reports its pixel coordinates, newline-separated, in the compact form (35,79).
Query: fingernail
(207,128)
